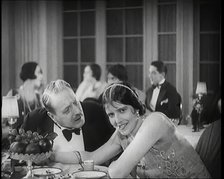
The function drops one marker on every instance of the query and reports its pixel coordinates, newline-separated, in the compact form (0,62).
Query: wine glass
(10,110)
(12,121)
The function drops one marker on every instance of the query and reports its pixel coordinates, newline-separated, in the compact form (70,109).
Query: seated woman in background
(152,147)
(118,73)
(28,97)
(28,93)
(91,86)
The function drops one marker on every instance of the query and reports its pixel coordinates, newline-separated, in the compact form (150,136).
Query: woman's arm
(65,157)
(152,129)
(81,90)
(107,151)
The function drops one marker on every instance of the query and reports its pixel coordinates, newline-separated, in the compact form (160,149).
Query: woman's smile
(122,126)
(122,117)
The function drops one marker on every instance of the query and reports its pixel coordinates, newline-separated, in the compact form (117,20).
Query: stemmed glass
(11,122)
(10,111)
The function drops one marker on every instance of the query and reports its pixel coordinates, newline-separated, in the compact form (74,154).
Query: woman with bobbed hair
(118,73)
(28,97)
(151,145)
(29,93)
(91,86)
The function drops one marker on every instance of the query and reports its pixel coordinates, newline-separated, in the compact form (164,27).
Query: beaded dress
(170,157)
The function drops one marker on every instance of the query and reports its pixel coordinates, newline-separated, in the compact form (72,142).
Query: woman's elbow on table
(116,172)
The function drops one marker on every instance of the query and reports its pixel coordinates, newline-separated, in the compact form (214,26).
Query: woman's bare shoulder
(156,115)
(156,119)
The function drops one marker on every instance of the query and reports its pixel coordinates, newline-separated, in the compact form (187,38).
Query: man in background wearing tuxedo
(162,96)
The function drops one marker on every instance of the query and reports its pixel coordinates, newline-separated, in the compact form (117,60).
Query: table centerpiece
(30,147)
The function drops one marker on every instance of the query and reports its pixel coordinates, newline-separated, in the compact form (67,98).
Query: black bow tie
(68,133)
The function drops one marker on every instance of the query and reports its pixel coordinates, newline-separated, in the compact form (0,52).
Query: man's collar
(62,128)
(158,85)
(162,81)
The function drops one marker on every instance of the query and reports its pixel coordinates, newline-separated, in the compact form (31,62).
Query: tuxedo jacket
(96,130)
(168,101)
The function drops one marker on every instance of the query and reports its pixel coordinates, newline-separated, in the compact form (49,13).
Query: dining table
(67,171)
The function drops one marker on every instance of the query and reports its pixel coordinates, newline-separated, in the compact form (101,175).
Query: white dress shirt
(155,95)
(62,145)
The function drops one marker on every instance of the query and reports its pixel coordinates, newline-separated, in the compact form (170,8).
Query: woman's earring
(137,113)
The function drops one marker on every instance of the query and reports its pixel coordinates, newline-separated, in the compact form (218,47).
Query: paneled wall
(31,31)
(207,43)
(8,48)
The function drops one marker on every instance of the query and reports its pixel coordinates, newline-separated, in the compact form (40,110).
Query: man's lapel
(47,125)
(161,94)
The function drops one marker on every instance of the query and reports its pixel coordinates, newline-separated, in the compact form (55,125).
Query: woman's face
(87,75)
(112,79)
(39,76)
(122,117)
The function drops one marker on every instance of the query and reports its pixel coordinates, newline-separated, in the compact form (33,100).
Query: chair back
(209,148)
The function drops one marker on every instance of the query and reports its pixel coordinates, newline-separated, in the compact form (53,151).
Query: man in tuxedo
(162,96)
(79,126)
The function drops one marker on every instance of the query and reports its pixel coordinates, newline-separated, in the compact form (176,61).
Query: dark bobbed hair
(119,71)
(123,93)
(96,71)
(28,70)
(161,67)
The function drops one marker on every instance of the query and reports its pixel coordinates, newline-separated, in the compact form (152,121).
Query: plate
(89,174)
(46,171)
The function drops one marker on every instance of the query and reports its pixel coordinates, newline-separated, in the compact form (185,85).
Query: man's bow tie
(68,133)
